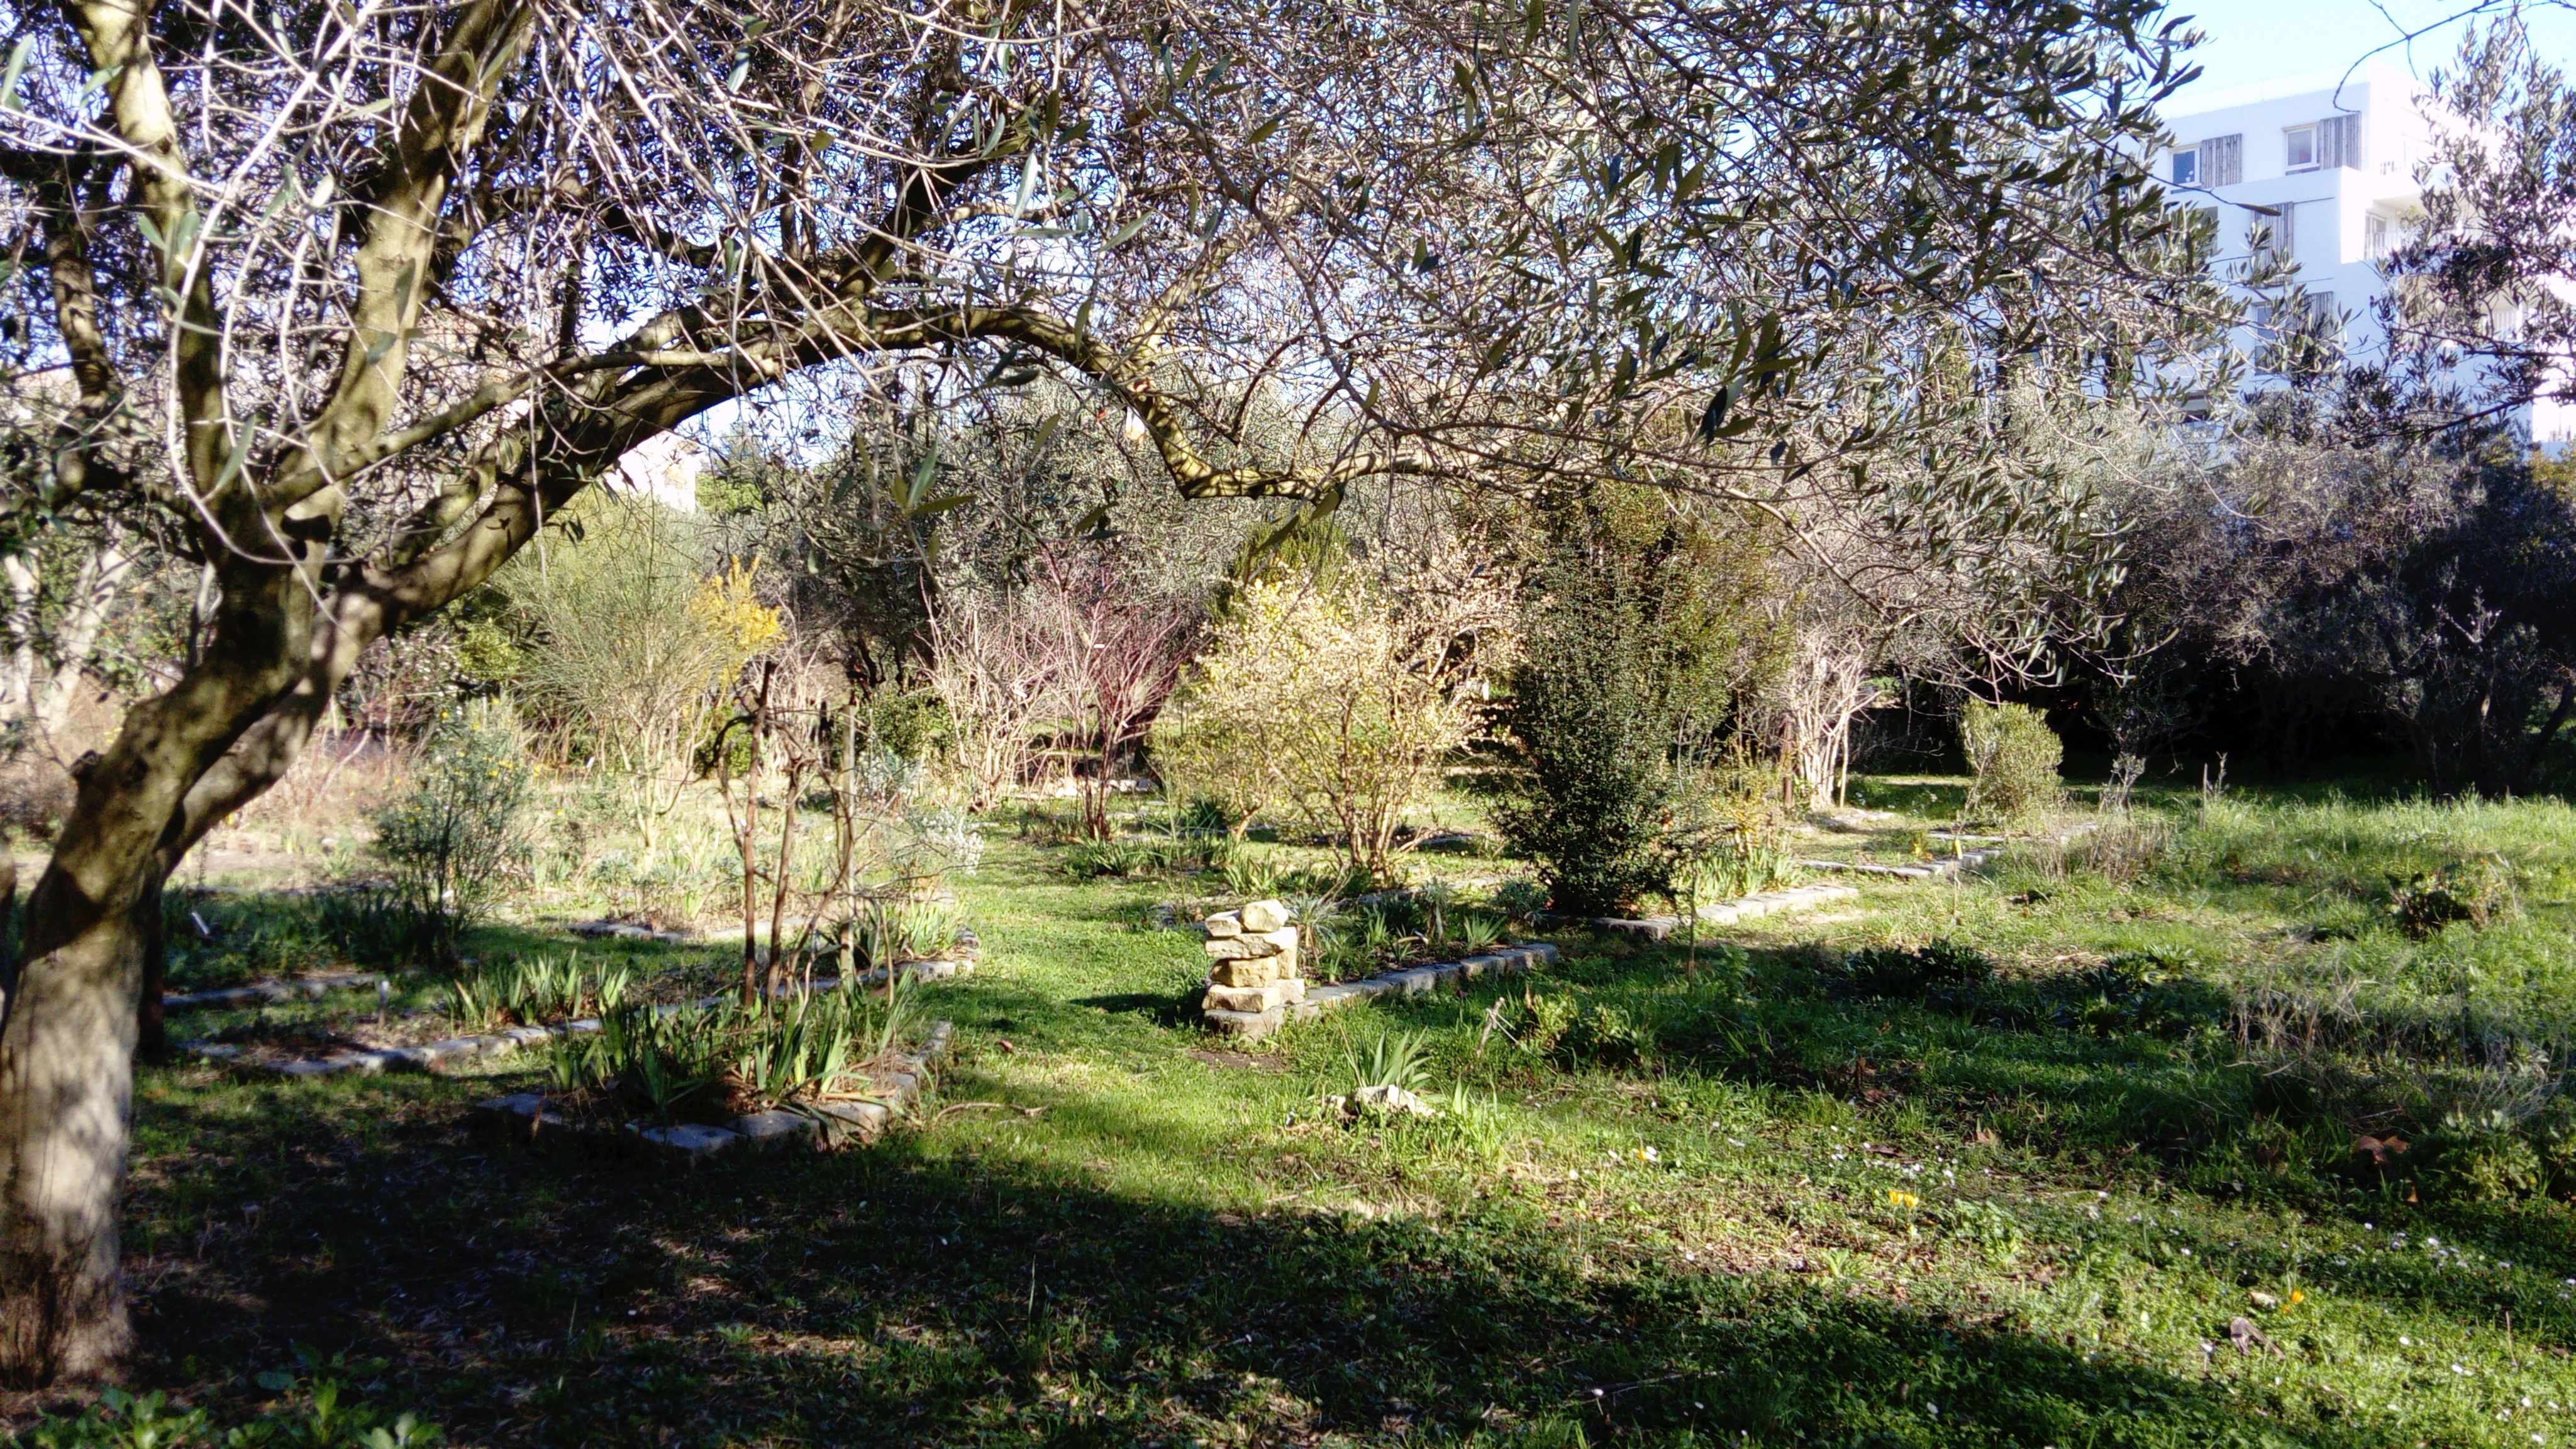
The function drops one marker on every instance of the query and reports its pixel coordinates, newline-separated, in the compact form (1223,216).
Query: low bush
(1940,968)
(2475,892)
(1394,1059)
(2138,992)
(535,992)
(225,939)
(447,843)
(1637,637)
(1092,859)
(886,932)
(1570,1032)
(2014,756)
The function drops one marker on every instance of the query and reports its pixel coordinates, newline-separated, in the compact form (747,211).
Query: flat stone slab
(1920,870)
(689,1141)
(1772,903)
(265,991)
(1416,980)
(1951,865)
(839,1121)
(629,931)
(1761,903)
(1249,1025)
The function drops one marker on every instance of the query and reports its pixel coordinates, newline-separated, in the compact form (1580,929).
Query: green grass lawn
(1710,1195)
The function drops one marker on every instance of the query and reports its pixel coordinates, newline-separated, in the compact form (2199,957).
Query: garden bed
(313,1050)
(598,1121)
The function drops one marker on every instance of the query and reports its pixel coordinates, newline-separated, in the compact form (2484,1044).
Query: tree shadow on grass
(1163,1010)
(893,1296)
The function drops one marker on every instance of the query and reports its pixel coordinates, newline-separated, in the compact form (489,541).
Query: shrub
(2484,1157)
(2014,755)
(1477,932)
(641,641)
(536,992)
(1088,859)
(448,841)
(932,845)
(1572,1033)
(2123,849)
(887,932)
(1314,696)
(1520,900)
(1939,968)
(1639,634)
(2476,891)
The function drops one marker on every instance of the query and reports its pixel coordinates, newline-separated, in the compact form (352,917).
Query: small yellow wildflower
(1905,1200)
(2298,1296)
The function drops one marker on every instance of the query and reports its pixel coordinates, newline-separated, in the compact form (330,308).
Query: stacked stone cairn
(1253,968)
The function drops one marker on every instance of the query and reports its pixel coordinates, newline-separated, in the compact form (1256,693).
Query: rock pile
(1253,968)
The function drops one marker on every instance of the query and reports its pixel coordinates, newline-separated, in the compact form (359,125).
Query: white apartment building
(2328,163)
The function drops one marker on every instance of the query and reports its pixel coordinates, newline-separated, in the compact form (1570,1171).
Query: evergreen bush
(2014,755)
(1636,642)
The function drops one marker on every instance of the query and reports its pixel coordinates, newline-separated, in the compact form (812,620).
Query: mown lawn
(1710,1195)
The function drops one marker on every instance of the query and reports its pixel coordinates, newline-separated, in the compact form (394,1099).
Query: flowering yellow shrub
(1310,696)
(737,626)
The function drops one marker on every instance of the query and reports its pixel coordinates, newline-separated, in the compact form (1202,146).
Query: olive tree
(359,298)
(2490,273)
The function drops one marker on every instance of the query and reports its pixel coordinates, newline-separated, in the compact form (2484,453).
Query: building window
(2375,235)
(2320,317)
(2299,145)
(2218,161)
(2283,225)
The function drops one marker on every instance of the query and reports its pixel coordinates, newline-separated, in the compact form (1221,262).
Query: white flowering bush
(933,844)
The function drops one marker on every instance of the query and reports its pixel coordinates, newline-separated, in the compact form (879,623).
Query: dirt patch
(1246,1060)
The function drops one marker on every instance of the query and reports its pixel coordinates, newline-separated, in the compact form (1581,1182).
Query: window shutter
(2222,160)
(2339,142)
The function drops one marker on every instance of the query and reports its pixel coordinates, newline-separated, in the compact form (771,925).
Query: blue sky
(2262,40)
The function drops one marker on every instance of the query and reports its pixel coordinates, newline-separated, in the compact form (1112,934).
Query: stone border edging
(524,1115)
(1716,913)
(1946,866)
(266,991)
(1410,981)
(501,1043)
(1952,866)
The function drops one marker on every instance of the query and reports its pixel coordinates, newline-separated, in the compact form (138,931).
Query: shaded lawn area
(899,1296)
(1975,1235)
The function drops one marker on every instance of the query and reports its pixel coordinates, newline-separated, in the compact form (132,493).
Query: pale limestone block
(1240,948)
(1246,998)
(1255,972)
